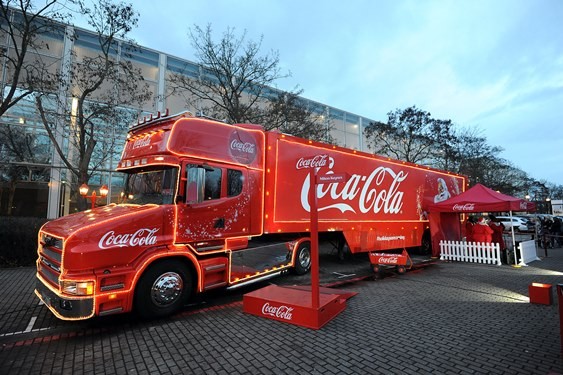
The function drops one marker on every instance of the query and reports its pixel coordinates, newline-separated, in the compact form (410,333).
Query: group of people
(483,230)
(550,231)
(486,231)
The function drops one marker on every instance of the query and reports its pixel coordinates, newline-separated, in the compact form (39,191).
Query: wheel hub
(167,288)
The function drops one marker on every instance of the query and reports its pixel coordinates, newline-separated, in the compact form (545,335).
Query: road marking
(30,325)
(28,329)
(22,332)
(341,275)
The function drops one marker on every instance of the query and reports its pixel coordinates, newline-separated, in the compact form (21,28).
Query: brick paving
(448,318)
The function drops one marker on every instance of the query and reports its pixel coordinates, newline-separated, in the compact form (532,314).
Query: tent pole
(513,240)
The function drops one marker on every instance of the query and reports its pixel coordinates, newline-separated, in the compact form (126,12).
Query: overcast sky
(495,65)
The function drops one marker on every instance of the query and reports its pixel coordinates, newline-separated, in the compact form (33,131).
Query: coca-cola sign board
(373,189)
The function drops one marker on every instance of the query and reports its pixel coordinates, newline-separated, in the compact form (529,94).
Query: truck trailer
(210,205)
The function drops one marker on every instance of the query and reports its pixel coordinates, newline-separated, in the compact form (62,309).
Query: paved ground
(445,318)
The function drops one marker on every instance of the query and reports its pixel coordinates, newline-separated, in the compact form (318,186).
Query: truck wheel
(401,270)
(425,245)
(303,258)
(163,289)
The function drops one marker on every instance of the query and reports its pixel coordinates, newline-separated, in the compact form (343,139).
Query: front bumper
(65,308)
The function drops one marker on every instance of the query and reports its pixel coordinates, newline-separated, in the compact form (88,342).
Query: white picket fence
(476,252)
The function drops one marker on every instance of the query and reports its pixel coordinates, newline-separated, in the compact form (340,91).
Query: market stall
(478,198)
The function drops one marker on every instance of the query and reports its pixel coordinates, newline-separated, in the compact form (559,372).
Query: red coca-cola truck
(211,205)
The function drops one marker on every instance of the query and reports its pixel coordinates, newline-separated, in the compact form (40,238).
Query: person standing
(498,229)
(469,229)
(482,232)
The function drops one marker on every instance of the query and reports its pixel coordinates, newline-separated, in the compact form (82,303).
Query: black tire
(378,271)
(425,245)
(302,258)
(401,270)
(163,289)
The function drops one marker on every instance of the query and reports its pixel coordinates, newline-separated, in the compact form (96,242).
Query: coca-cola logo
(312,162)
(282,312)
(380,191)
(142,142)
(242,147)
(389,260)
(245,147)
(142,237)
(464,207)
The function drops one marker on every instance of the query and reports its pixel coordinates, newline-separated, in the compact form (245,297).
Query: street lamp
(83,189)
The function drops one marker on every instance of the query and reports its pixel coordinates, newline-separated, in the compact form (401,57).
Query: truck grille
(50,258)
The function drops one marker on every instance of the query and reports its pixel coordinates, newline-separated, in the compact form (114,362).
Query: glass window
(339,136)
(234,182)
(154,186)
(353,141)
(352,128)
(212,183)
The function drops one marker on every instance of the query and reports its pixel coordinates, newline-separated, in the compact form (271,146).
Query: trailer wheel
(303,258)
(401,270)
(162,290)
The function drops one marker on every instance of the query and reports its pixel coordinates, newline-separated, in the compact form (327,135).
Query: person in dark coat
(556,232)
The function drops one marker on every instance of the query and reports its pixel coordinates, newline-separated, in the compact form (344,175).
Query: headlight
(78,288)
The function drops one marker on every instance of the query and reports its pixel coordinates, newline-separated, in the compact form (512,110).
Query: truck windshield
(152,186)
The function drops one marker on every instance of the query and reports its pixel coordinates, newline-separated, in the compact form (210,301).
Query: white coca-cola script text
(464,207)
(312,162)
(142,237)
(380,191)
(282,312)
(246,147)
(388,260)
(142,142)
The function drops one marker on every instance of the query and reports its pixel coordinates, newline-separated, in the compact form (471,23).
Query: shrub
(18,240)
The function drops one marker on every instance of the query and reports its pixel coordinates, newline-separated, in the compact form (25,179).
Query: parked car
(519,224)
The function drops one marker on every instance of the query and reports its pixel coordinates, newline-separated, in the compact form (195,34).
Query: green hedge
(18,240)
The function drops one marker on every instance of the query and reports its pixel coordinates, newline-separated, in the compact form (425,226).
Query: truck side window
(234,182)
(212,184)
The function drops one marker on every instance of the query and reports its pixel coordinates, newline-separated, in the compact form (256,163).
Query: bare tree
(410,134)
(104,88)
(21,26)
(235,84)
(290,114)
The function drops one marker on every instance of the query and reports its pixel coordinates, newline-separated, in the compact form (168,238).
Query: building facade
(39,184)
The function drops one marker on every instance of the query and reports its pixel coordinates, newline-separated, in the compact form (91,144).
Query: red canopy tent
(478,198)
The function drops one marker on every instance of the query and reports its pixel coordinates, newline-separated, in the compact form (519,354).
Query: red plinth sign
(293,305)
(308,308)
(540,293)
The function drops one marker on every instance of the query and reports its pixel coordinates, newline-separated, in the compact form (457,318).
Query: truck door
(216,204)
